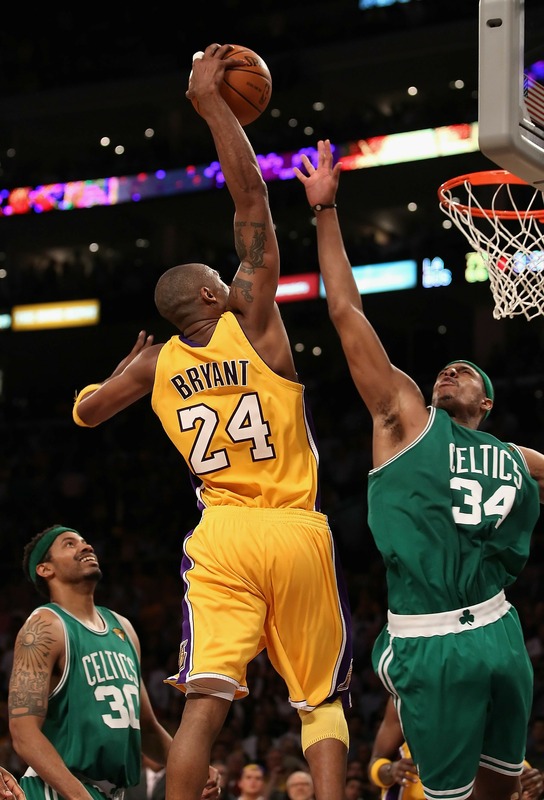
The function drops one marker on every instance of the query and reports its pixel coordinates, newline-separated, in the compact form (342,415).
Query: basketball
(246,89)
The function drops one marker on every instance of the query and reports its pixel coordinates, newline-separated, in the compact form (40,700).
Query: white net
(507,229)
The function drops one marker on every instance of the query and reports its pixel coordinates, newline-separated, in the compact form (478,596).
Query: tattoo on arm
(256,248)
(29,685)
(252,257)
(244,287)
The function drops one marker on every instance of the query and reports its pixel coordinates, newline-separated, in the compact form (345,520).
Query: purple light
(536,71)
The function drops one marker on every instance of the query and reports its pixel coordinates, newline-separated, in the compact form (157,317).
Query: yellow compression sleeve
(327,721)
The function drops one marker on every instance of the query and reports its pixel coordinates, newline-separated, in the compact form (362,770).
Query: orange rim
(491,177)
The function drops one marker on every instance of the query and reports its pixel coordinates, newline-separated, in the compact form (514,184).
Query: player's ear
(487,404)
(207,295)
(44,570)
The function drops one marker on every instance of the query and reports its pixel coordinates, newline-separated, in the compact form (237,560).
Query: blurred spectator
(278,766)
(357,771)
(259,740)
(251,783)
(152,784)
(299,786)
(355,789)
(355,768)
(357,733)
(235,760)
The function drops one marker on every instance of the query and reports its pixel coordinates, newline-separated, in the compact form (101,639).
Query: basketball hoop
(502,217)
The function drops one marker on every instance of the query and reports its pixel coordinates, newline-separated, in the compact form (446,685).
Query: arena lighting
(298,287)
(364,5)
(376,151)
(391,276)
(66,314)
(370,278)
(434,273)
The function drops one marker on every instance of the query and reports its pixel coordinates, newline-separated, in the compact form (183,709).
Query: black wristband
(322,206)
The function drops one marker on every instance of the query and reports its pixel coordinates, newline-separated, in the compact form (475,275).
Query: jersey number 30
(123,705)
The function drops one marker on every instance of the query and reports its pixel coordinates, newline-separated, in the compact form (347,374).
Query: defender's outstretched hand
(321,182)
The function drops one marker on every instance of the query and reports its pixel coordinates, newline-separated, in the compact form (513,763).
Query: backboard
(511,86)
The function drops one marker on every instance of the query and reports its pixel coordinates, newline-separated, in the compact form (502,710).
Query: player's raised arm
(254,286)
(388,393)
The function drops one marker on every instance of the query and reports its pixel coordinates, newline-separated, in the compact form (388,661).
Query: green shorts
(36,789)
(464,698)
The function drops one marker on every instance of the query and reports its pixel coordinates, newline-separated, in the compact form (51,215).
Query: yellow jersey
(243,430)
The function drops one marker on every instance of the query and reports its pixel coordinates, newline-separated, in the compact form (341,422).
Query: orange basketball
(247,88)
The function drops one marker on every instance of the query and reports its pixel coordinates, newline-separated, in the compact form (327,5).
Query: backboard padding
(508,134)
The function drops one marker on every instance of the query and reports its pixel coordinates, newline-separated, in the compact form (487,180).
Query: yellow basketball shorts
(265,578)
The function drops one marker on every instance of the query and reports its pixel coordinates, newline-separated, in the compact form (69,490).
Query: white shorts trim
(457,621)
(218,687)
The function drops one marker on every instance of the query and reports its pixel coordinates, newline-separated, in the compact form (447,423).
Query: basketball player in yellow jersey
(260,569)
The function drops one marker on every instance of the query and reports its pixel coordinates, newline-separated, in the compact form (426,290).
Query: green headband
(41,548)
(488,386)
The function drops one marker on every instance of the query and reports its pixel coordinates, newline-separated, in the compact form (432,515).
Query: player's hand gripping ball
(247,88)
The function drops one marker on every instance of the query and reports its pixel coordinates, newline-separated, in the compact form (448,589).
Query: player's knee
(327,721)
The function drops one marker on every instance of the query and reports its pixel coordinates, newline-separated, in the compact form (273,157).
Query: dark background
(68,78)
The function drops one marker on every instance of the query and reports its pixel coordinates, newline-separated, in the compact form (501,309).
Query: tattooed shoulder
(29,684)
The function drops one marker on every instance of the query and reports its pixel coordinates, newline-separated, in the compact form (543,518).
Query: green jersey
(93,717)
(452,516)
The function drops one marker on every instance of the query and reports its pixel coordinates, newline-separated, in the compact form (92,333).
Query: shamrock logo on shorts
(467,617)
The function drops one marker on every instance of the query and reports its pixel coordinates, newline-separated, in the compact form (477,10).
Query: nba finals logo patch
(182,655)
(120,633)
(343,686)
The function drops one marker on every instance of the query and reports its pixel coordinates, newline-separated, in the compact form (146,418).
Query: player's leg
(327,762)
(223,620)
(442,701)
(505,738)
(494,786)
(189,757)
(325,741)
(309,598)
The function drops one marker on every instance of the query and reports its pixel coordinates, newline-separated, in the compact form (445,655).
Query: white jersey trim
(432,414)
